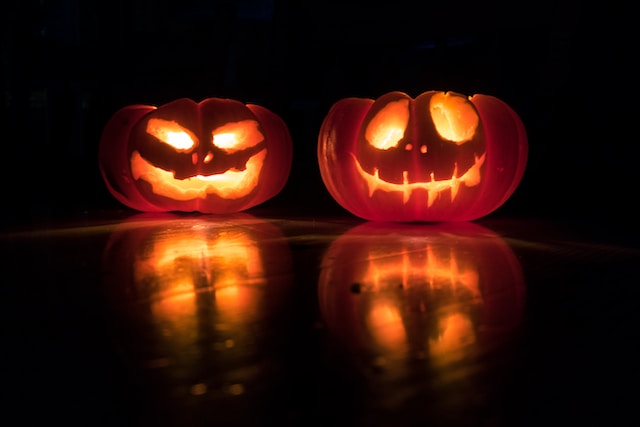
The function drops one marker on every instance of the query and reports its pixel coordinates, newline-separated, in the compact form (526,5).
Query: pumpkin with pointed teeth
(218,156)
(439,157)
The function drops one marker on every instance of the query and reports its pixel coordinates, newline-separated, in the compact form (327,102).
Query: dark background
(565,66)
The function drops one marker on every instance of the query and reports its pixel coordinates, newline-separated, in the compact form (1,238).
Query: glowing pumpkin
(437,293)
(217,156)
(439,157)
(197,301)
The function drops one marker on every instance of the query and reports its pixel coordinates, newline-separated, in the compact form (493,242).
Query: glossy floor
(188,320)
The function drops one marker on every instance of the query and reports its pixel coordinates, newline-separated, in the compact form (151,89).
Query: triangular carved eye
(454,117)
(172,134)
(237,136)
(388,126)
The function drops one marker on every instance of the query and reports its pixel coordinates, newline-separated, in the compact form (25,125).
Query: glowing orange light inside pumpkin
(237,136)
(232,184)
(171,133)
(470,178)
(440,156)
(454,117)
(388,126)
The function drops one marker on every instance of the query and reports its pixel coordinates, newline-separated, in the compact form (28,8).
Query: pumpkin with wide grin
(388,140)
(235,182)
(441,156)
(216,156)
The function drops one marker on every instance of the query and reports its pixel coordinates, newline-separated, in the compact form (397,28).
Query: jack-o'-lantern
(412,299)
(218,156)
(196,302)
(439,157)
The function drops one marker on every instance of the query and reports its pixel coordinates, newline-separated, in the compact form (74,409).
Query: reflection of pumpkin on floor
(438,157)
(216,156)
(197,297)
(438,293)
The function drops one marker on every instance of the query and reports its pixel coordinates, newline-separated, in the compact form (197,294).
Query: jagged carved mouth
(232,184)
(470,178)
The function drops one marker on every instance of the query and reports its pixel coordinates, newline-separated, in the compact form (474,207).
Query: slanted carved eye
(388,126)
(171,133)
(454,117)
(237,136)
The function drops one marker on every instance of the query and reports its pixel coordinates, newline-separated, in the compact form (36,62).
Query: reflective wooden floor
(254,319)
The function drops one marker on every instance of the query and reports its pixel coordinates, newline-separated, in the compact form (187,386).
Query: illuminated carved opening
(171,133)
(232,184)
(470,178)
(387,128)
(455,120)
(231,137)
(237,136)
(454,117)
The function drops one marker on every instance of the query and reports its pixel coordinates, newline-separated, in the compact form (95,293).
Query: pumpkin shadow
(429,315)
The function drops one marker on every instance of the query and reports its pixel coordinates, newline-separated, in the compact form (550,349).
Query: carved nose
(423,148)
(207,158)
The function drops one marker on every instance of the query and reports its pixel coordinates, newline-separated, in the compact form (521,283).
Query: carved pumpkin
(197,301)
(437,293)
(439,157)
(217,156)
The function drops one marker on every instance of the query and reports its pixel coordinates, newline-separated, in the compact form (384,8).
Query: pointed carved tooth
(431,197)
(406,194)
(454,182)
(455,186)
(470,178)
(373,183)
(432,194)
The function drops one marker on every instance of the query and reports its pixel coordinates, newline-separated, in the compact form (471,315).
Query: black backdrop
(565,66)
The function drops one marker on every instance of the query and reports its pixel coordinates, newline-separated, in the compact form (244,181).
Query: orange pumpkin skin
(439,157)
(217,156)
